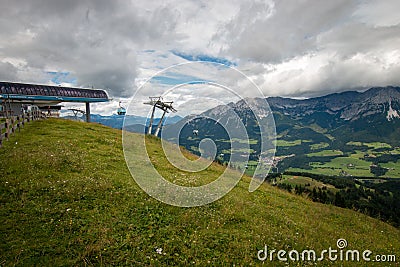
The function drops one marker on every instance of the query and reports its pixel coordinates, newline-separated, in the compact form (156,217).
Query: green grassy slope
(67,198)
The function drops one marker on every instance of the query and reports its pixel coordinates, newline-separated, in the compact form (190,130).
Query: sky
(287,48)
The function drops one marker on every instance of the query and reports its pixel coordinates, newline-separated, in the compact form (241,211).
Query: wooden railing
(15,123)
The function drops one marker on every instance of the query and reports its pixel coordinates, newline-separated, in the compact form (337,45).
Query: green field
(325,171)
(302,180)
(318,146)
(394,169)
(325,153)
(239,150)
(281,142)
(353,163)
(68,199)
(395,151)
(241,141)
(373,145)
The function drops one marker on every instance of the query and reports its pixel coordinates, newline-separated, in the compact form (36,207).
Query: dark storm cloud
(291,48)
(7,71)
(96,41)
(271,32)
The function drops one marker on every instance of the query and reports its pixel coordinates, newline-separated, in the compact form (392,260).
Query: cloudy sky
(288,48)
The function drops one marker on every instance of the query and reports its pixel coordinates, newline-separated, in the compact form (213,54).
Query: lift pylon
(165,106)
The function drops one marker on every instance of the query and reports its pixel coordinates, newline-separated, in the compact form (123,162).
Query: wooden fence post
(23,119)
(1,134)
(12,125)
(7,124)
(18,123)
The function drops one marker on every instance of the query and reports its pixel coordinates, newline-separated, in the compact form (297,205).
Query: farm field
(281,142)
(354,162)
(303,180)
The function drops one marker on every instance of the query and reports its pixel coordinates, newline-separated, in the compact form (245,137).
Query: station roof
(46,93)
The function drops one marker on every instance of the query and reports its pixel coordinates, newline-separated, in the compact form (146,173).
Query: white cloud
(96,41)
(289,48)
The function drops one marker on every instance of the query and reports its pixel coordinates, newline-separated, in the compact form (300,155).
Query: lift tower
(157,102)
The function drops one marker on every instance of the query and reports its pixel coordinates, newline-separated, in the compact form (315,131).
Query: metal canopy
(46,93)
(40,95)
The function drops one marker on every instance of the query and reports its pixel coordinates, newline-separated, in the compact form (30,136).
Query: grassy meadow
(68,198)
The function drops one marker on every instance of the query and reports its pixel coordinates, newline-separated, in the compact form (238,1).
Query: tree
(377,170)
(339,200)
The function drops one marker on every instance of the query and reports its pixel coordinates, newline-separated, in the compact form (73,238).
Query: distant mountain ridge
(375,112)
(351,105)
(303,127)
(363,116)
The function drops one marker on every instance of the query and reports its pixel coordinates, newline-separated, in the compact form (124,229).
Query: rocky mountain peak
(382,95)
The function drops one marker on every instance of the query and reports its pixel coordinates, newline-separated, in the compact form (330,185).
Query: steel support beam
(151,120)
(160,123)
(87,112)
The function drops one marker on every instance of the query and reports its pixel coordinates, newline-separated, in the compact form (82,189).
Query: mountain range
(343,122)
(365,116)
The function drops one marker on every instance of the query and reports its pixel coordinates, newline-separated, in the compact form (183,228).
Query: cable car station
(15,97)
